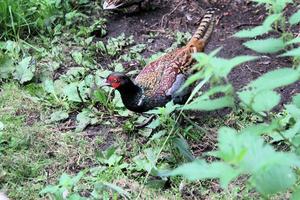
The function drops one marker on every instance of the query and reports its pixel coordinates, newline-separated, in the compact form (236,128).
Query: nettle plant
(70,187)
(245,152)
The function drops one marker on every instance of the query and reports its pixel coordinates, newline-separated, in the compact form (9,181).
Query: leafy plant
(66,187)
(114,45)
(245,152)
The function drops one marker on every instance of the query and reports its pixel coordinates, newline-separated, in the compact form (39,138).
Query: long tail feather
(204,30)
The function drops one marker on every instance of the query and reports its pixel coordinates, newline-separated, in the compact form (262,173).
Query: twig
(67,128)
(246,24)
(253,71)
(267,119)
(170,13)
(80,97)
(97,133)
(287,140)
(218,19)
(194,124)
(146,122)
(156,30)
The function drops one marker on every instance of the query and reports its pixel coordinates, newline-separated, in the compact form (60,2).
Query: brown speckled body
(158,77)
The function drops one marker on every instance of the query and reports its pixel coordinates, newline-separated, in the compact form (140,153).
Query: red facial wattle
(113,82)
(115,85)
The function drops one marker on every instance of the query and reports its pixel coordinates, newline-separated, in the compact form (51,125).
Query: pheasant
(118,4)
(159,81)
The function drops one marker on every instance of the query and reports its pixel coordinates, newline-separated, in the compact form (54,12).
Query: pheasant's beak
(104,83)
(108,7)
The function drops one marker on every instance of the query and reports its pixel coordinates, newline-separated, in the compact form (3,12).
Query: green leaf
(274,79)
(113,187)
(246,97)
(231,150)
(65,180)
(270,45)
(296,100)
(259,30)
(294,111)
(78,177)
(260,129)
(288,134)
(296,194)
(200,170)
(245,153)
(158,135)
(295,18)
(24,70)
(113,160)
(59,116)
(52,189)
(73,90)
(170,107)
(100,96)
(222,67)
(6,67)
(203,59)
(295,40)
(1,126)
(142,164)
(183,147)
(49,86)
(76,196)
(77,56)
(273,178)
(248,151)
(267,82)
(85,118)
(118,67)
(118,100)
(217,90)
(296,141)
(265,101)
(294,52)
(192,79)
(251,33)
(210,104)
(157,184)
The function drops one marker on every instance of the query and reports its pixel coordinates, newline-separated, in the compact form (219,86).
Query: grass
(22,18)
(32,152)
(35,154)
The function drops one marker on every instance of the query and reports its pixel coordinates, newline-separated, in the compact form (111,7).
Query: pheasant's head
(117,80)
(112,4)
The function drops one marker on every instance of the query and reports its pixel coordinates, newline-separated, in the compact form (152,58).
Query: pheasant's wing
(161,76)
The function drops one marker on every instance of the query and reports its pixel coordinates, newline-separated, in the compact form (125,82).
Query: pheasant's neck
(132,96)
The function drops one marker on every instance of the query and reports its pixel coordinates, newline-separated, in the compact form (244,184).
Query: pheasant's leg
(146,122)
